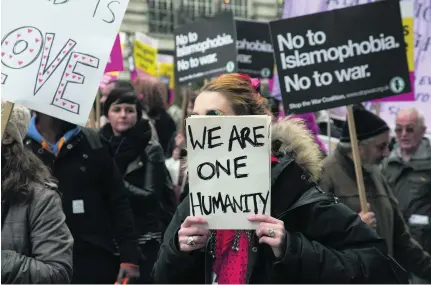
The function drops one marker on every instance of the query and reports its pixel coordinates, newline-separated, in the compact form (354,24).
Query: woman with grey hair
(36,244)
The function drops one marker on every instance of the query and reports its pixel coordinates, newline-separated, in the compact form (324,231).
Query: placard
(145,54)
(165,68)
(115,62)
(54,53)
(323,64)
(205,48)
(255,53)
(228,161)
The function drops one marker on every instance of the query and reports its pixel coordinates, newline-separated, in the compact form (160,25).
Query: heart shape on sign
(43,64)
(18,36)
(64,51)
(31,50)
(75,55)
(44,56)
(70,66)
(46,48)
(70,44)
(67,74)
(91,60)
(6,42)
(2,54)
(20,62)
(40,73)
(47,72)
(79,78)
(53,66)
(56,99)
(36,40)
(58,59)
(49,39)
(64,103)
(62,84)
(59,91)
(40,80)
(72,106)
(83,57)
(29,30)
(74,76)
(10,56)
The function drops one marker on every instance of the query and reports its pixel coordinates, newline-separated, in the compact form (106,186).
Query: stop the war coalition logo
(325,64)
(205,48)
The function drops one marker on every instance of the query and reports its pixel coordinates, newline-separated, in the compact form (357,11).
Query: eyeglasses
(409,129)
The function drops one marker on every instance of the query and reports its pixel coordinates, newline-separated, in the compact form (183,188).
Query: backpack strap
(93,138)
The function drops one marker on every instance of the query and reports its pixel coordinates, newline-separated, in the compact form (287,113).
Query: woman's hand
(179,140)
(191,236)
(270,231)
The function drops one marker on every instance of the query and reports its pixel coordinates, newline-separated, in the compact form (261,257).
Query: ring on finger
(191,241)
(271,233)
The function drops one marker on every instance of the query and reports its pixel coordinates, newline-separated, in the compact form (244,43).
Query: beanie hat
(17,125)
(367,125)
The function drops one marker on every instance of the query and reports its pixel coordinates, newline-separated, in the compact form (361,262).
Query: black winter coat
(146,178)
(86,172)
(326,242)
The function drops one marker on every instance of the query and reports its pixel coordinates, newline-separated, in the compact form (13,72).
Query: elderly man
(339,179)
(409,165)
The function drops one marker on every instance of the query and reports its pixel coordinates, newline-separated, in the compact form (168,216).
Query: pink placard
(115,62)
(402,97)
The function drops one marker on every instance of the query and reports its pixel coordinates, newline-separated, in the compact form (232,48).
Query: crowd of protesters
(90,206)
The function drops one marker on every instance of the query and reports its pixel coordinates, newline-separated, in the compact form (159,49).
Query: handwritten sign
(54,53)
(115,62)
(229,169)
(145,54)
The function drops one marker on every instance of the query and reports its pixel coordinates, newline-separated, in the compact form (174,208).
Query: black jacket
(86,172)
(326,242)
(146,179)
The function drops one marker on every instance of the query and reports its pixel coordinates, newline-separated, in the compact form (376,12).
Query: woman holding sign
(309,237)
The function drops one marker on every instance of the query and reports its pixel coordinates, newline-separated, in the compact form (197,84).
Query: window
(160,16)
(191,10)
(238,7)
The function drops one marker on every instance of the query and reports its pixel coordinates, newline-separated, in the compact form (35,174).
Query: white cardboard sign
(54,53)
(229,165)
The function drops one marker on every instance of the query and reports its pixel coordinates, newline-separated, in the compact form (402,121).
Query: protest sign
(407,18)
(115,62)
(228,161)
(323,64)
(54,54)
(255,53)
(205,48)
(145,54)
(165,69)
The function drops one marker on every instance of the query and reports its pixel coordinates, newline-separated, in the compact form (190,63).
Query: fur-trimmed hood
(290,135)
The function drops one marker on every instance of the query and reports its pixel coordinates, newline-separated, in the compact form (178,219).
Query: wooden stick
(6,112)
(357,160)
(378,109)
(98,111)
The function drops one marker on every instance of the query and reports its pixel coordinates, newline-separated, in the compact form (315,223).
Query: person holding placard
(308,238)
(36,244)
(383,212)
(142,165)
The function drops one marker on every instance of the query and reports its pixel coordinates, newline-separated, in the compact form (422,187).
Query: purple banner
(115,62)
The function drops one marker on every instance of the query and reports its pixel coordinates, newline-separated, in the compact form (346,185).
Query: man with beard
(383,214)
(94,200)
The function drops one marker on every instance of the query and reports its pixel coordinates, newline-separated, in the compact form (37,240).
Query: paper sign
(115,62)
(145,54)
(165,68)
(229,169)
(54,53)
(323,64)
(255,53)
(205,48)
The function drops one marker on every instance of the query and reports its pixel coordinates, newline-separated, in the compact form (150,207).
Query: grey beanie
(17,126)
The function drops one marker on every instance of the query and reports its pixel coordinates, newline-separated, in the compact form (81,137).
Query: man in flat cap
(339,178)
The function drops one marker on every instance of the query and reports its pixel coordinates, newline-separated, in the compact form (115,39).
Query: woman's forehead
(206,101)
